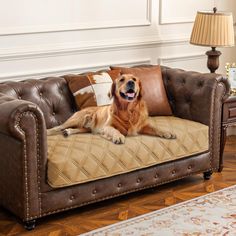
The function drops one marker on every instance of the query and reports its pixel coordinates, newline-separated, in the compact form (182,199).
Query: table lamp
(213,29)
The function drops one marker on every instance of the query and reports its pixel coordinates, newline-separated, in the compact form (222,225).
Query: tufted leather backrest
(51,94)
(190,93)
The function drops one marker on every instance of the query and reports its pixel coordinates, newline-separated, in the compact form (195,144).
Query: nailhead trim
(94,191)
(126,192)
(17,125)
(219,128)
(212,126)
(119,194)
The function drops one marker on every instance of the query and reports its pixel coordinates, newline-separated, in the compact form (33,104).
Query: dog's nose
(130,84)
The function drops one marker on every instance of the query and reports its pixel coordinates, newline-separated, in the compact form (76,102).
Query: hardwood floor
(101,214)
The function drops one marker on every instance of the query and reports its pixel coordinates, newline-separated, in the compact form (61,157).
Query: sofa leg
(30,225)
(207,175)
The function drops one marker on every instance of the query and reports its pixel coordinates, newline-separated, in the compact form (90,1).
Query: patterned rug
(211,214)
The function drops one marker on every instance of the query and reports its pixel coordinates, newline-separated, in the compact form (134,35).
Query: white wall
(41,38)
(54,37)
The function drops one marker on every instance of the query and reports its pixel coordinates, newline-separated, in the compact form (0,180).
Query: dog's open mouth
(129,95)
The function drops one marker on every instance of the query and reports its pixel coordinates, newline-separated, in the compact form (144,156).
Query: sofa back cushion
(50,94)
(154,93)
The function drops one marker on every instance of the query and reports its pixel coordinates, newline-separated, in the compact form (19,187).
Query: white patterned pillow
(91,89)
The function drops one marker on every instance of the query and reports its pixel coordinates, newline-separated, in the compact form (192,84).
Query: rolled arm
(199,97)
(195,95)
(22,156)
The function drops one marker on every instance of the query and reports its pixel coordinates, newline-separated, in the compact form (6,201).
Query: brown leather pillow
(91,89)
(154,91)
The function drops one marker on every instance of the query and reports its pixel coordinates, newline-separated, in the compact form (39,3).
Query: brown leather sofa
(28,107)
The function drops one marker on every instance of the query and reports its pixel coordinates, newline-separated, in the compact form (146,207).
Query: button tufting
(138,180)
(40,94)
(53,113)
(200,83)
(189,167)
(72,197)
(173,172)
(156,176)
(119,185)
(188,100)
(94,191)
(19,97)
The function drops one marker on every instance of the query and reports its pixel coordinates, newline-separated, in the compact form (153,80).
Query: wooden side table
(228,119)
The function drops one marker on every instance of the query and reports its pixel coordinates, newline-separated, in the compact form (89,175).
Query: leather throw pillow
(154,93)
(91,89)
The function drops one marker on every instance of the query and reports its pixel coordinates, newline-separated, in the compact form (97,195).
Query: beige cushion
(87,157)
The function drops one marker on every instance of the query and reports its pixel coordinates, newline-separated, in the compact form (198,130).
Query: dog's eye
(134,79)
(122,80)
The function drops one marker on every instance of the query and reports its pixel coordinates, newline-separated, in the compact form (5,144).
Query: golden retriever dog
(126,116)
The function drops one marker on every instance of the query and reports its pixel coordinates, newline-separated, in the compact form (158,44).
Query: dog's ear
(140,95)
(111,93)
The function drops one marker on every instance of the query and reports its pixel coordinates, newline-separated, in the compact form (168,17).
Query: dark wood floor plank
(108,212)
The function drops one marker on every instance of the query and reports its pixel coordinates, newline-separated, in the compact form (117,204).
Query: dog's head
(127,87)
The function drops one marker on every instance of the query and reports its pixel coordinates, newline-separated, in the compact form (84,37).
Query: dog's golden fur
(127,115)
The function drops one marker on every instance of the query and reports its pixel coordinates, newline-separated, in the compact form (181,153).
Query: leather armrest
(198,97)
(193,95)
(23,155)
(11,112)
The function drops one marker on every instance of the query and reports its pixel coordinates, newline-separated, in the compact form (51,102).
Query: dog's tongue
(130,95)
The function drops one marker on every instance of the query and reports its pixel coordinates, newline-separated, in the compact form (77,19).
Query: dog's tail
(54,130)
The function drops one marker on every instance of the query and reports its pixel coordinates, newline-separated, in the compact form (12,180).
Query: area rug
(211,214)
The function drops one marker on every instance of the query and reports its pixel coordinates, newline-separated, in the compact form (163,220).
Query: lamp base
(213,59)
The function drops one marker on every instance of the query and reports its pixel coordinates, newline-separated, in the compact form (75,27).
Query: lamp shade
(213,29)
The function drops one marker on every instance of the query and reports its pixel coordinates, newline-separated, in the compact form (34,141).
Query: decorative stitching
(219,127)
(212,123)
(17,125)
(119,194)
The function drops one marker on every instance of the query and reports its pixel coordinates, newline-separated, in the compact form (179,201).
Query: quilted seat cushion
(86,157)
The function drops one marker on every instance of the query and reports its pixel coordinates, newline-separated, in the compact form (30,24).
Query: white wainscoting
(179,58)
(40,51)
(69,70)
(32,16)
(181,11)
(39,38)
(186,61)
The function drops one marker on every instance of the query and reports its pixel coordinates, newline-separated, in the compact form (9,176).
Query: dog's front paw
(168,135)
(118,139)
(65,132)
